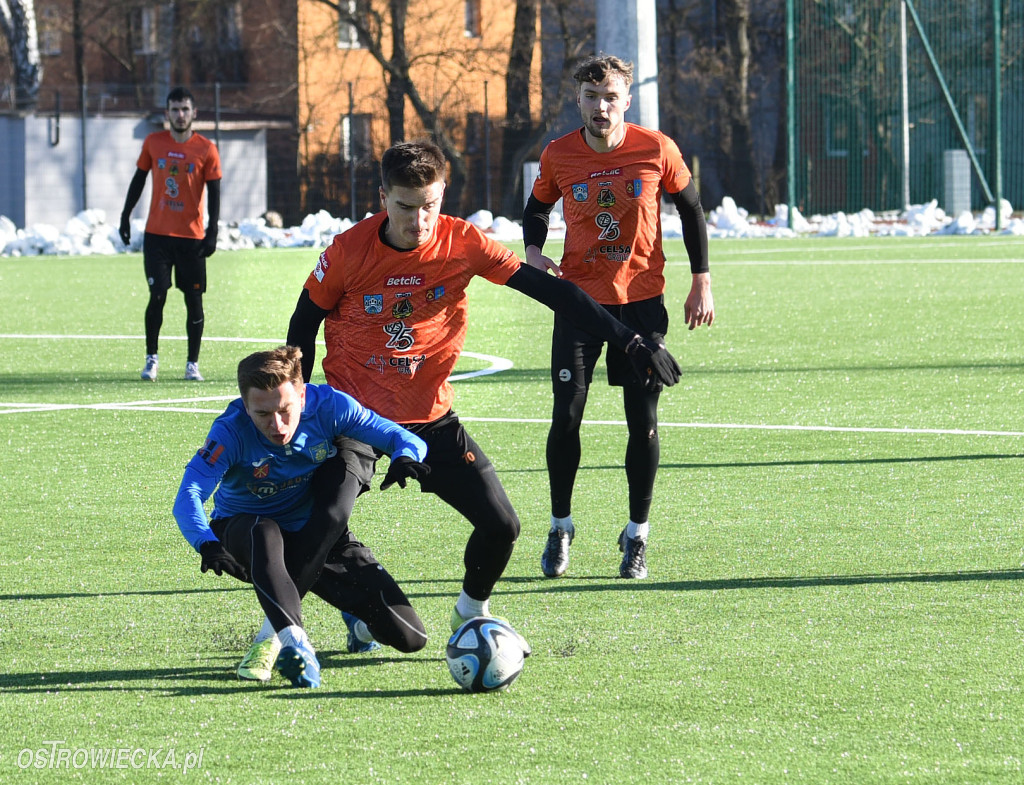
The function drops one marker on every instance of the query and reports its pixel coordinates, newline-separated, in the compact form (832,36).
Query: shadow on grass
(147,593)
(192,681)
(601,583)
(808,462)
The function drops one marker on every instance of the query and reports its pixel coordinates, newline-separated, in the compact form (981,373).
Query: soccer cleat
(299,665)
(192,373)
(149,372)
(353,644)
(555,559)
(258,663)
(634,556)
(458,620)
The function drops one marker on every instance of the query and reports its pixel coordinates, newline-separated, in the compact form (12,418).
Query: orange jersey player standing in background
(185,167)
(392,290)
(610,176)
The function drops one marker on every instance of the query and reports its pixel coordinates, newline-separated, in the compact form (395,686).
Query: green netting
(849,104)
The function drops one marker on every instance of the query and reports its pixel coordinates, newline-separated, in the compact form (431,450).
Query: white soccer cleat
(149,372)
(192,373)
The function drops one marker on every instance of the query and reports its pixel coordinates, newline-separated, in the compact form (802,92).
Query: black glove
(401,469)
(216,558)
(653,363)
(125,229)
(210,242)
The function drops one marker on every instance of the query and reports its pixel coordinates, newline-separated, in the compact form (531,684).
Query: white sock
(637,530)
(563,524)
(468,607)
(294,635)
(266,631)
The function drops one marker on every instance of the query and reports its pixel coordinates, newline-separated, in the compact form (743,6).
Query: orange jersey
(397,319)
(180,172)
(612,208)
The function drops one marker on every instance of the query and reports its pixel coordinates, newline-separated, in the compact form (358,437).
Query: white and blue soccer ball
(484,655)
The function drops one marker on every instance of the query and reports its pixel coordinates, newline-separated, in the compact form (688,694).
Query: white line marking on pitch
(497,364)
(765,427)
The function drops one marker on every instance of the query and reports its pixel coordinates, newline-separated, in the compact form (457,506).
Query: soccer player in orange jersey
(392,290)
(610,176)
(185,165)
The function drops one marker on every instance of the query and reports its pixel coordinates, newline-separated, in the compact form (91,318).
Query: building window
(348,37)
(229,26)
(473,19)
(49,32)
(145,22)
(356,138)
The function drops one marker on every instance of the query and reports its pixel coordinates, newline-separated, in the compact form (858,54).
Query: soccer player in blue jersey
(258,463)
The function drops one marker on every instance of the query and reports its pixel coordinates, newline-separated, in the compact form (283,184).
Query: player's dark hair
(412,165)
(270,369)
(596,68)
(180,94)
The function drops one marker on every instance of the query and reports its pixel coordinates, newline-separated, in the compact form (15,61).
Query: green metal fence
(898,102)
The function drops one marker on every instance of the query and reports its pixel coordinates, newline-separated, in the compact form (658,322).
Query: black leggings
(285,565)
(194,320)
(643,447)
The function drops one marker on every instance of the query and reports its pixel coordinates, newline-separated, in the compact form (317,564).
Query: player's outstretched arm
(566,298)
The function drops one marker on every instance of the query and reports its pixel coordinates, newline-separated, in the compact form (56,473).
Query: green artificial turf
(835,556)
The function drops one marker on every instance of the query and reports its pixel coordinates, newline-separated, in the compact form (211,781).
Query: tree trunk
(18,21)
(398,79)
(518,118)
(743,173)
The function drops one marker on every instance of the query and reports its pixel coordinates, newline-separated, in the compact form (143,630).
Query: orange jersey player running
(185,167)
(610,176)
(392,290)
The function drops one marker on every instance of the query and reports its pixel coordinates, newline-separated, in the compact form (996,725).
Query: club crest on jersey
(261,471)
(373,303)
(402,309)
(605,198)
(635,188)
(580,192)
(161,163)
(435,294)
(319,452)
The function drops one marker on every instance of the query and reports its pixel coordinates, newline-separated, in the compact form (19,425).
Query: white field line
(497,364)
(769,427)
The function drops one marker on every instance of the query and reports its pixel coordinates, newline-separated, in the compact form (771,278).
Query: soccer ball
(484,655)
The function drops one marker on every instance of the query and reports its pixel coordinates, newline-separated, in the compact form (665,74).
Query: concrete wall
(42,162)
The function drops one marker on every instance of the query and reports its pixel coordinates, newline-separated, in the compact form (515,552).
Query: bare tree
(571,33)
(432,101)
(18,20)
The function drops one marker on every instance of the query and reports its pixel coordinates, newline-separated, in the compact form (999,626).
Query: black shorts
(161,254)
(455,459)
(575,352)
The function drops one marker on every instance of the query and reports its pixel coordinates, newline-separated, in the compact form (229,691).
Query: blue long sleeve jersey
(246,473)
